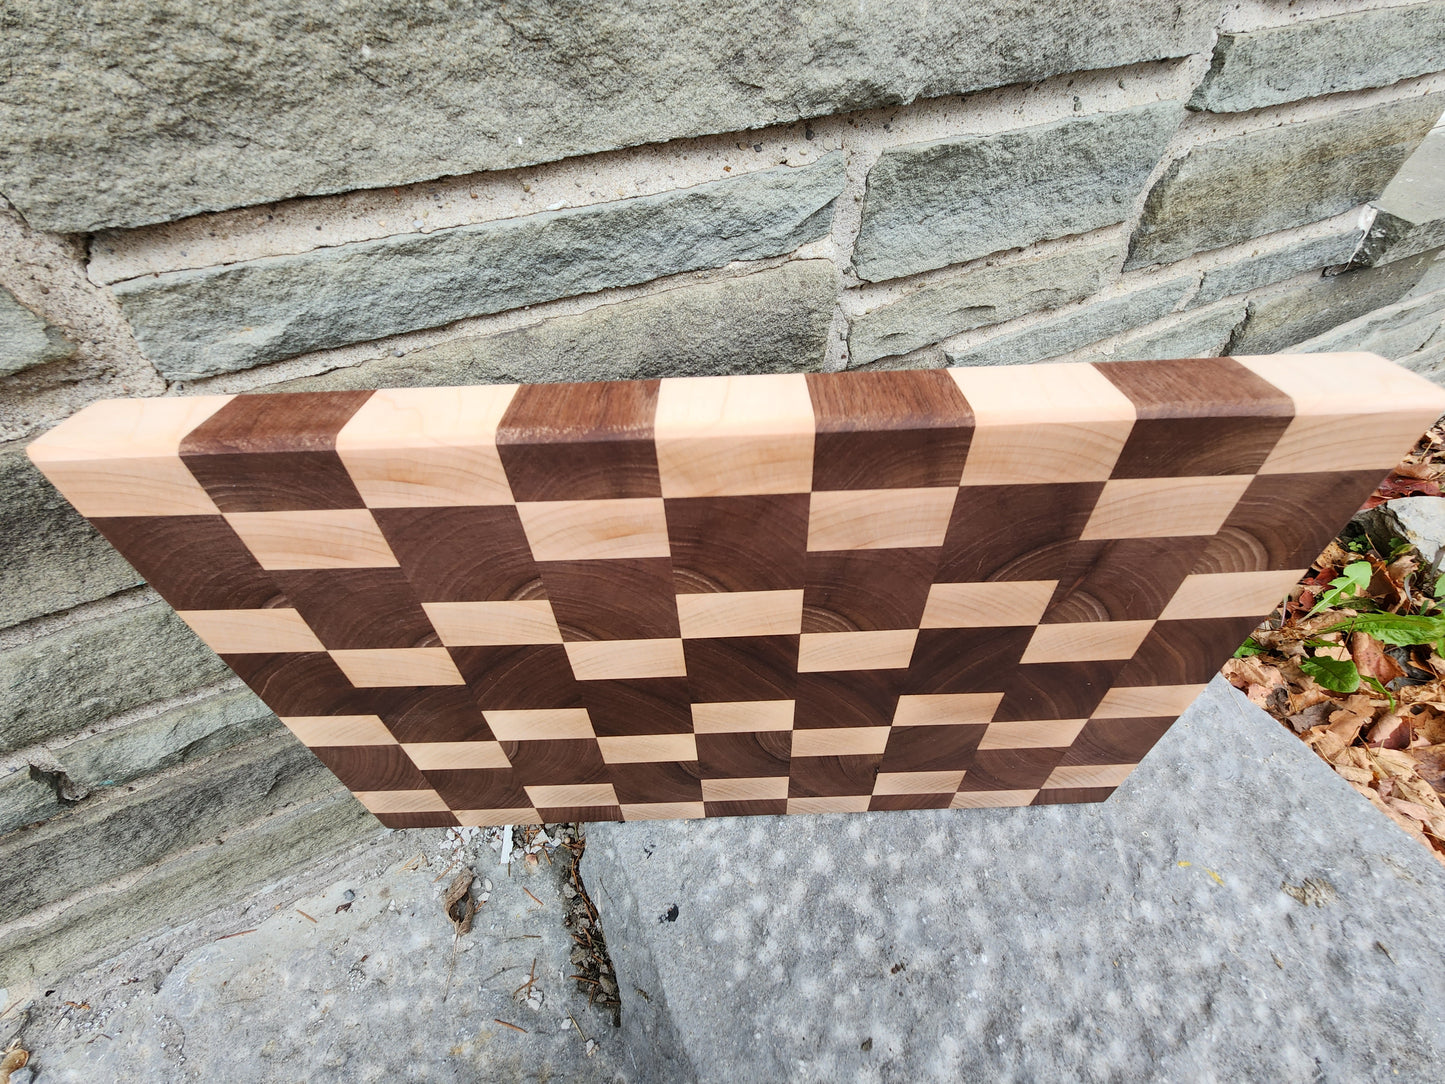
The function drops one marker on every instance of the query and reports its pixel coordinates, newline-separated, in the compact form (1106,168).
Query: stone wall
(267,199)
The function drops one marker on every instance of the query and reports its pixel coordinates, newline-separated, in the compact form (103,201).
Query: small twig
(531,978)
(238,933)
(444,872)
(504,1024)
(304,915)
(577,1026)
(538,902)
(584,978)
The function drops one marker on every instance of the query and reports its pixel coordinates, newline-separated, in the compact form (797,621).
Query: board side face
(727,596)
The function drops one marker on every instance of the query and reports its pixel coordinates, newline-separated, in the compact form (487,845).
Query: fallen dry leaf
(1390,731)
(14,1058)
(1371,659)
(458,902)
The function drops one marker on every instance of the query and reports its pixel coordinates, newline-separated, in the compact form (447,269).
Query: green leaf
(1354,580)
(1380,688)
(1400,630)
(1440,587)
(1248,648)
(1336,675)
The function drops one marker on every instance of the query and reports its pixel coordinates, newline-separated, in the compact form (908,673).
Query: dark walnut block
(717,596)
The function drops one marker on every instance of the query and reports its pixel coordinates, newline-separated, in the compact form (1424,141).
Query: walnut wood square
(266,453)
(1055,690)
(965,660)
(559,814)
(931,748)
(565,442)
(861,590)
(462,554)
(195,562)
(1285,520)
(822,777)
(1125,579)
(372,767)
(910,801)
(638,706)
(889,430)
(553,763)
(442,818)
(847,699)
(1116,741)
(627,599)
(479,788)
(758,755)
(752,543)
(358,608)
(1022,532)
(1197,416)
(757,808)
(1010,769)
(742,668)
(1185,652)
(431,713)
(1073,795)
(657,782)
(301,684)
(525,677)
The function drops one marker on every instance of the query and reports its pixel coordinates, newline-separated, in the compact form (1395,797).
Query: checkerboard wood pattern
(740,595)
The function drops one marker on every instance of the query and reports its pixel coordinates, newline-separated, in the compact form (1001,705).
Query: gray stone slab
(179,889)
(127,830)
(984,295)
(928,205)
(50,558)
(1263,268)
(26,796)
(1248,185)
(110,123)
(1410,215)
(1420,521)
(165,740)
(377,988)
(1393,332)
(1066,333)
(66,680)
(1292,316)
(25,339)
(1305,59)
(1234,912)
(199,323)
(770,321)
(1203,334)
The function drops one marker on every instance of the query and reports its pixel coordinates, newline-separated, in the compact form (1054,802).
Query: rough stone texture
(1291,316)
(151,111)
(1062,334)
(200,323)
(1199,335)
(170,738)
(770,321)
(933,204)
(182,887)
(1428,361)
(1393,332)
(1418,520)
(25,339)
(1248,185)
(75,676)
(26,796)
(985,295)
(1235,911)
(381,990)
(98,841)
(1411,210)
(1322,56)
(50,558)
(1260,269)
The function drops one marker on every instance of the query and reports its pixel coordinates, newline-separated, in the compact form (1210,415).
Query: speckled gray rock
(50,558)
(68,679)
(1202,334)
(169,738)
(1259,182)
(1418,520)
(200,323)
(156,109)
(1070,331)
(984,295)
(1281,320)
(25,339)
(1262,268)
(1411,210)
(1322,56)
(932,204)
(114,834)
(26,796)
(178,889)
(770,321)
(1234,912)
(1393,332)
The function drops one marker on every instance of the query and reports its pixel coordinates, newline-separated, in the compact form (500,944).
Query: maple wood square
(492,624)
(397,666)
(741,613)
(239,631)
(986,605)
(879,518)
(595,530)
(337,538)
(1164,507)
